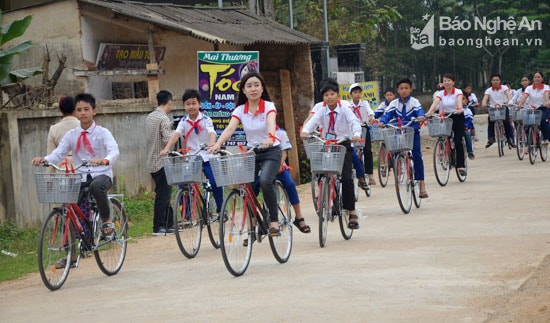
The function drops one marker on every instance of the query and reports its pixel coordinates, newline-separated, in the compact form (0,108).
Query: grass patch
(24,241)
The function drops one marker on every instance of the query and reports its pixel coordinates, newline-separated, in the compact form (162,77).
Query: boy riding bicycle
(337,121)
(404,109)
(95,144)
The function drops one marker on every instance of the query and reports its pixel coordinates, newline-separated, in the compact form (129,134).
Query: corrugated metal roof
(222,25)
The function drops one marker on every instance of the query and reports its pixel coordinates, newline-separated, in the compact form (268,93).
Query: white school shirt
(194,140)
(497,96)
(518,95)
(103,144)
(536,95)
(362,110)
(255,125)
(345,122)
(316,107)
(449,101)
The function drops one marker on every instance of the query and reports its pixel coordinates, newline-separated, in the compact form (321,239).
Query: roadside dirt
(474,252)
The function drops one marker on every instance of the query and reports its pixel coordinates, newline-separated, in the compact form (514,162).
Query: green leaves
(14,29)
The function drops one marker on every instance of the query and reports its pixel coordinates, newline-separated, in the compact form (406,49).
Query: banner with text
(219,78)
(370,93)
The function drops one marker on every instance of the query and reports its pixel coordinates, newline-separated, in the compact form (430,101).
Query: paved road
(461,257)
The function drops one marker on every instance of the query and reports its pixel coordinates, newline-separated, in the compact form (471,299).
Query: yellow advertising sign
(370,93)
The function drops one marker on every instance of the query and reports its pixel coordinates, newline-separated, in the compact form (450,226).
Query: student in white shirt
(257,114)
(525,82)
(95,144)
(497,95)
(539,97)
(337,121)
(364,113)
(389,95)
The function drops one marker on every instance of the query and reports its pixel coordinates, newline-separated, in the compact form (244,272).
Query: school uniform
(363,112)
(497,96)
(536,98)
(449,104)
(268,159)
(195,133)
(406,110)
(341,123)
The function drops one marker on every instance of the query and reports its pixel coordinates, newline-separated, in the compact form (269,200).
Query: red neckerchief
(83,138)
(261,107)
(195,125)
(497,88)
(356,110)
(452,92)
(540,88)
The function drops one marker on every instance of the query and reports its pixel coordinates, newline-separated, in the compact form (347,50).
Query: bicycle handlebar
(389,124)
(48,164)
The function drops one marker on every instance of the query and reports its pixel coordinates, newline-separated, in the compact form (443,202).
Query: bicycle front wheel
(315,191)
(188,217)
(110,253)
(54,250)
(343,217)
(383,165)
(324,211)
(281,246)
(402,183)
(441,159)
(236,234)
(532,142)
(521,141)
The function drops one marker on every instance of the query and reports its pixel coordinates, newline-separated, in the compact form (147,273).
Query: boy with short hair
(197,129)
(336,119)
(95,144)
(406,107)
(364,113)
(389,96)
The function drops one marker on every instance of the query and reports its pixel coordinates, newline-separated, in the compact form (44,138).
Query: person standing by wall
(69,121)
(158,131)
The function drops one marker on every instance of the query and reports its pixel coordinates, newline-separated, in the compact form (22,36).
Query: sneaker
(163,232)
(471,156)
(363,185)
(490,142)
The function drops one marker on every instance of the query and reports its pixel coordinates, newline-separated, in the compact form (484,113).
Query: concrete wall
(23,136)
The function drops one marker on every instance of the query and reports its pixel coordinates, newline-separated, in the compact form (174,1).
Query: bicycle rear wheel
(532,142)
(499,137)
(110,254)
(188,215)
(213,221)
(343,217)
(402,183)
(543,148)
(281,246)
(234,230)
(415,187)
(521,141)
(324,211)
(462,178)
(383,165)
(441,159)
(54,246)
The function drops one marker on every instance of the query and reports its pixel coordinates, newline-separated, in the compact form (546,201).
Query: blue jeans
(218,191)
(358,165)
(289,185)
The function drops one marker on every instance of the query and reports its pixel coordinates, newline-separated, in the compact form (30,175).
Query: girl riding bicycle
(404,109)
(538,95)
(337,121)
(257,114)
(449,100)
(496,95)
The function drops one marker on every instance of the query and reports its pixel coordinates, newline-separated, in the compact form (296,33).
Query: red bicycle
(68,228)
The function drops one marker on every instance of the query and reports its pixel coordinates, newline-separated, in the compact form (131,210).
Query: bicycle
(194,205)
(520,134)
(245,219)
(531,120)
(497,114)
(58,246)
(398,142)
(326,161)
(444,152)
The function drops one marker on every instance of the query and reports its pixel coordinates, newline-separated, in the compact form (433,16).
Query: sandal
(303,228)
(462,171)
(108,229)
(423,194)
(353,225)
